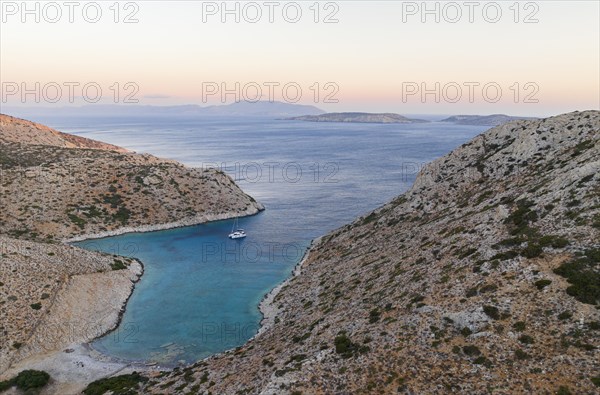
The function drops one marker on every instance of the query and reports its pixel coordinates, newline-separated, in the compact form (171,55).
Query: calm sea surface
(200,291)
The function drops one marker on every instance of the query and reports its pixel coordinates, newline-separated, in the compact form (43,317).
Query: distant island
(483,120)
(357,117)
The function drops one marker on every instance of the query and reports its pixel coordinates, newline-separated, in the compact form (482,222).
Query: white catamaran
(235,232)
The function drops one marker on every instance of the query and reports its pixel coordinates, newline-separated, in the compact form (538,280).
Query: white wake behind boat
(236,233)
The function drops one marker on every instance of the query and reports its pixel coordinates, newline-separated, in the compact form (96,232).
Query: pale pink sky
(536,58)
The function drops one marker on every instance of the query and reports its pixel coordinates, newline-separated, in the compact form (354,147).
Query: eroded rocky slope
(483,278)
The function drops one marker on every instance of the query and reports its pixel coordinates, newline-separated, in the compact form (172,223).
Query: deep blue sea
(200,291)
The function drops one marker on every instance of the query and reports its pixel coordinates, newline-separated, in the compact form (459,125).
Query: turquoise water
(200,291)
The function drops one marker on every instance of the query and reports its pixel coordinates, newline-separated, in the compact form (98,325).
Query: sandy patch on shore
(86,307)
(73,369)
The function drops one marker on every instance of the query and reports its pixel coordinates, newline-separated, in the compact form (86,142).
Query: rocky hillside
(15,130)
(51,191)
(357,117)
(55,186)
(483,278)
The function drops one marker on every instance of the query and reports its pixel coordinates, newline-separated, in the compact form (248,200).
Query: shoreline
(197,220)
(123,307)
(266,306)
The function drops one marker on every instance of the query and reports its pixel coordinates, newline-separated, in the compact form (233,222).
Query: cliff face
(483,277)
(55,186)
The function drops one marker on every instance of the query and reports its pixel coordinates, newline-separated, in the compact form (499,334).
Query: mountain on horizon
(260,108)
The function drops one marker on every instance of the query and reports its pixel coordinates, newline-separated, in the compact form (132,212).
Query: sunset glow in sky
(522,58)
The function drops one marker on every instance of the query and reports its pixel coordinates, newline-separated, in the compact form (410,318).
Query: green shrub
(204,378)
(471,350)
(488,288)
(118,265)
(553,241)
(370,218)
(5,385)
(526,339)
(122,215)
(36,306)
(593,254)
(491,312)
(510,242)
(77,221)
(532,250)
(466,253)
(481,360)
(519,326)
(343,345)
(127,384)
(520,354)
(583,275)
(346,348)
(268,362)
(297,358)
(596,381)
(374,316)
(503,256)
(523,215)
(583,146)
(298,339)
(562,390)
(565,315)
(541,284)
(31,379)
